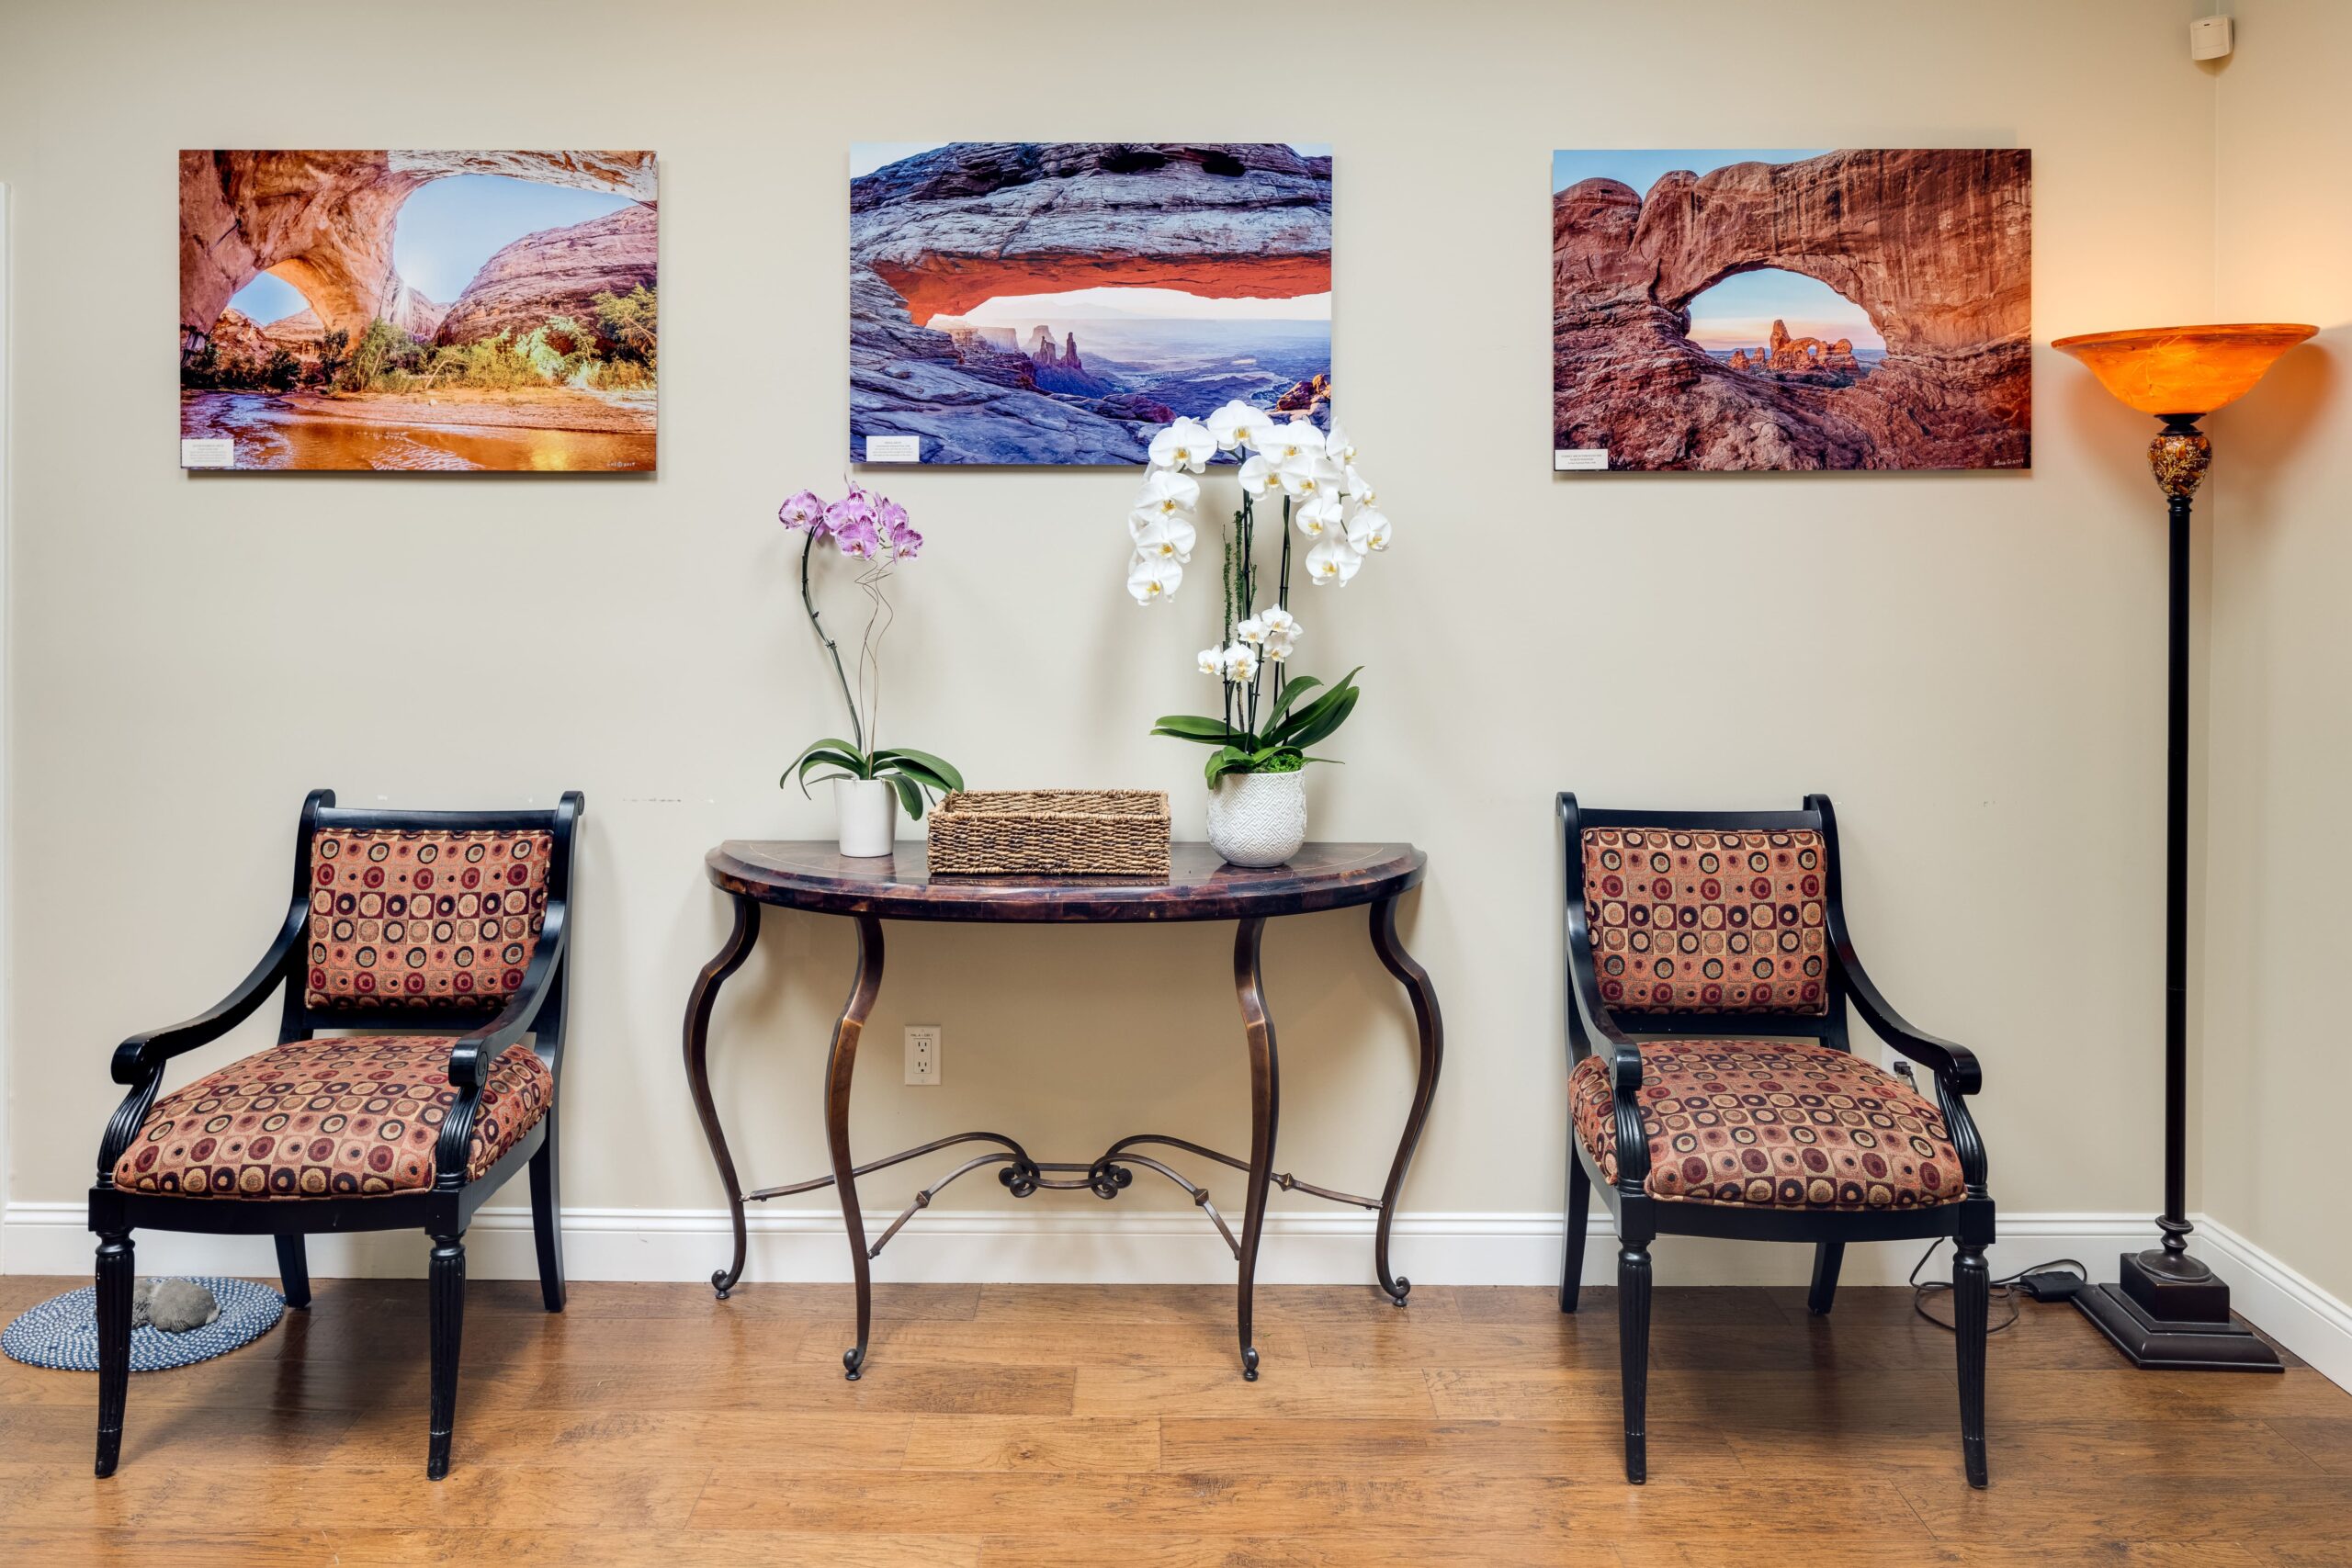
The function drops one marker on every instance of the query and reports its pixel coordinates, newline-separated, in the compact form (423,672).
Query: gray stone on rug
(173,1307)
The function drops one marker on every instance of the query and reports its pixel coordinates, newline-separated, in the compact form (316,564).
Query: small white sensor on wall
(2209,37)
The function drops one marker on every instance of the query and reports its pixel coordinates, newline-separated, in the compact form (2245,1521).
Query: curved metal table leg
(1415,981)
(724,962)
(840,1065)
(1265,1107)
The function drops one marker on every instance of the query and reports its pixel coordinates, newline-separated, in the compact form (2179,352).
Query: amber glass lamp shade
(2172,372)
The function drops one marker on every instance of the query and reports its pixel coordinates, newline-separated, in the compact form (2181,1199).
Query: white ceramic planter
(1257,818)
(867,813)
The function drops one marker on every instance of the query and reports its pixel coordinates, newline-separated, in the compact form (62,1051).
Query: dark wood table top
(813,875)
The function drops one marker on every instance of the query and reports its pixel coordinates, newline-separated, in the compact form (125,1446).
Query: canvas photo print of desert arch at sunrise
(418,309)
(1791,310)
(1058,302)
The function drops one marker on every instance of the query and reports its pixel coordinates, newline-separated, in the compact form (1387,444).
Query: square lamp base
(2181,1325)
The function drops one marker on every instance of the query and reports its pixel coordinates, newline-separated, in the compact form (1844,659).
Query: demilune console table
(1199,887)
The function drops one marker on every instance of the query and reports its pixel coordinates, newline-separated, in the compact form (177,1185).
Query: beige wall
(1971,664)
(2277,1069)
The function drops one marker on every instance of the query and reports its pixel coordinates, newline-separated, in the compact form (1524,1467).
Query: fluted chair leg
(1971,1300)
(1633,1355)
(1827,1257)
(445,1293)
(115,1272)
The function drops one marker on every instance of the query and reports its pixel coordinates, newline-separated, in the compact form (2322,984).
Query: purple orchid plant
(876,532)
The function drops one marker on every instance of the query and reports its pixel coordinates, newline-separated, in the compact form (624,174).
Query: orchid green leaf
(1292,691)
(852,766)
(903,768)
(1190,726)
(1319,719)
(941,769)
(910,796)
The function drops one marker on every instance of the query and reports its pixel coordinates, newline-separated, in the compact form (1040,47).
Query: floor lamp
(2170,1310)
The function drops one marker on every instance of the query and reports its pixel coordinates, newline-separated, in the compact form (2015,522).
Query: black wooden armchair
(1711,1084)
(419,950)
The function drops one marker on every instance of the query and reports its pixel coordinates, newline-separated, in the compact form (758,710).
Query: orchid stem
(1282,588)
(809,600)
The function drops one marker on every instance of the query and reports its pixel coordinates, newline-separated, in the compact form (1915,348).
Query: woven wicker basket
(1056,832)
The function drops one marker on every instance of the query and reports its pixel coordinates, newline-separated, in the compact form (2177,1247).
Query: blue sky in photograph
(446,230)
(268,299)
(1739,311)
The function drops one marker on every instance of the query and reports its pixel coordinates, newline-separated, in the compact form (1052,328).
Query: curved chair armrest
(139,1061)
(143,1055)
(1954,1065)
(1583,1004)
(470,1058)
(1584,987)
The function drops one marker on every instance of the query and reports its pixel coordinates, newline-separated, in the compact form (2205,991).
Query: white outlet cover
(922,1045)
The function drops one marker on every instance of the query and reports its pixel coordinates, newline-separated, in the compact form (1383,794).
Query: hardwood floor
(1060,1426)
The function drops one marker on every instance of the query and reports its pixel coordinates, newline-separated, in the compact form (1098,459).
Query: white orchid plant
(1326,499)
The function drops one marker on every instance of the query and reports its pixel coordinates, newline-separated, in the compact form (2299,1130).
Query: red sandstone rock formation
(1045,356)
(301,334)
(1304,396)
(323,221)
(416,315)
(555,272)
(1828,363)
(237,336)
(1934,245)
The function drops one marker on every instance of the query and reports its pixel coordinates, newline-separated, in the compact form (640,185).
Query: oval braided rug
(62,1332)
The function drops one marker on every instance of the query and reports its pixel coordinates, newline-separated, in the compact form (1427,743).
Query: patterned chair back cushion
(1704,922)
(439,918)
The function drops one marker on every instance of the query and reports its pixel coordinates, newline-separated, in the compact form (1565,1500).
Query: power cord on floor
(2043,1282)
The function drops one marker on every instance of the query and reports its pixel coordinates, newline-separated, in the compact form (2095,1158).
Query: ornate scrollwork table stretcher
(1199,887)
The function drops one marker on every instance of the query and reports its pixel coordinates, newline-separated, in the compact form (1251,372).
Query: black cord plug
(2052,1285)
(2044,1282)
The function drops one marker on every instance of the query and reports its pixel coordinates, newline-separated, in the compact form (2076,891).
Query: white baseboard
(1039,1246)
(2280,1302)
(1171,1247)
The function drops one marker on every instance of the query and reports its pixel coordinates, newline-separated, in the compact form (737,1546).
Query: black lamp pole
(2170,1310)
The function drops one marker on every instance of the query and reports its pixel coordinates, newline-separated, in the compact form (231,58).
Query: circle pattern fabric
(1774,1124)
(424,918)
(62,1333)
(1707,922)
(354,1116)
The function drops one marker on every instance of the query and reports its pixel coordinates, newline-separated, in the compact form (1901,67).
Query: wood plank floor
(1059,1426)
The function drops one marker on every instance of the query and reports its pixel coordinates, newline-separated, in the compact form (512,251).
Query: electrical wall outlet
(923,1053)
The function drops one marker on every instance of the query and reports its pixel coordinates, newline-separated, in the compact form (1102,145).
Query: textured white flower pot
(867,812)
(1257,818)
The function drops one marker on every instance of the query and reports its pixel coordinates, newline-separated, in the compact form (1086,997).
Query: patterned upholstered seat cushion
(424,918)
(1772,1124)
(351,1117)
(1706,921)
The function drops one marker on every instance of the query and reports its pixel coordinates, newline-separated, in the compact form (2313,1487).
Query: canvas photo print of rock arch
(418,309)
(1791,310)
(1058,302)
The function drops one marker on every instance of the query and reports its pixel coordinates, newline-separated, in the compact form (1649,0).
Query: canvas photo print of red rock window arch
(418,309)
(1028,302)
(1791,310)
